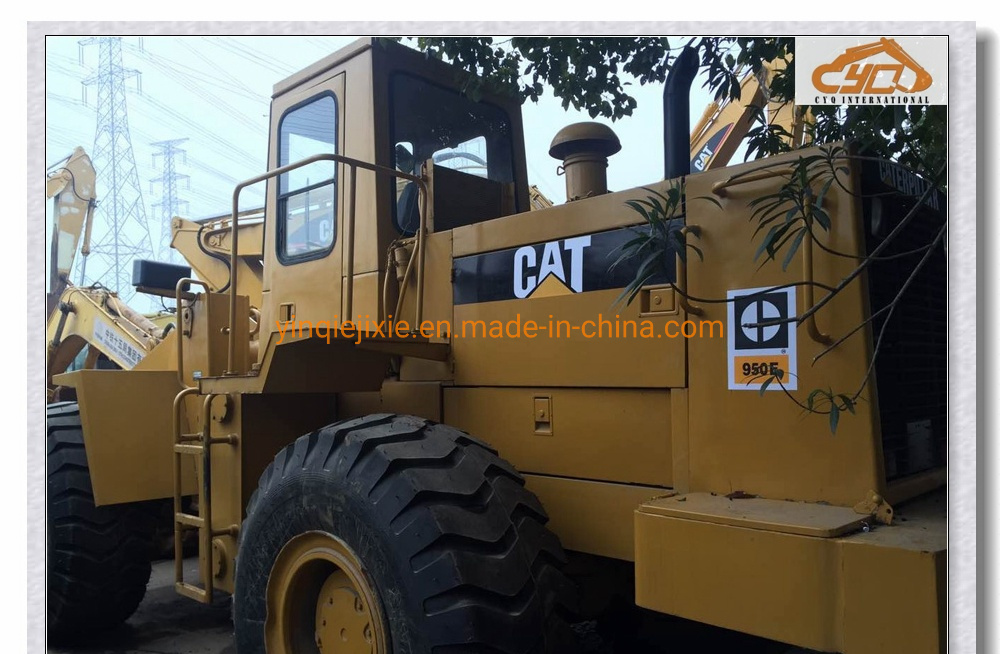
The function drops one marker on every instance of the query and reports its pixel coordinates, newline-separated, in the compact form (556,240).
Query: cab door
(303,242)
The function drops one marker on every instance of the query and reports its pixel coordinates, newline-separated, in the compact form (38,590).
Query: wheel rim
(319,600)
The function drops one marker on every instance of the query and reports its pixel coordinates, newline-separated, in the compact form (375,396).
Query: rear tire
(430,524)
(98,558)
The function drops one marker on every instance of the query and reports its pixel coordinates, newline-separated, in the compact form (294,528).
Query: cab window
(307,196)
(473,139)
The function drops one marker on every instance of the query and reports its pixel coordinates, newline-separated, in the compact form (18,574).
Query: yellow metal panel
(437,287)
(367,297)
(767,445)
(610,435)
(803,518)
(421,399)
(607,528)
(895,600)
(679,439)
(859,593)
(413,369)
(568,359)
(163,356)
(128,433)
(206,344)
(778,586)
(331,61)
(593,215)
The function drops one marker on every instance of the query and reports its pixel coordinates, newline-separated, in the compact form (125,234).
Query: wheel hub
(320,600)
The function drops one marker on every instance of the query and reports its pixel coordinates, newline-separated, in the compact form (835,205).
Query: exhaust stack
(584,149)
(677,114)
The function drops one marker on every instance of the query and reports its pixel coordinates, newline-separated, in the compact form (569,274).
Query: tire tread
(484,571)
(98,557)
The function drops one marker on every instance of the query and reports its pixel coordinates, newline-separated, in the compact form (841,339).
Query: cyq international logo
(871,70)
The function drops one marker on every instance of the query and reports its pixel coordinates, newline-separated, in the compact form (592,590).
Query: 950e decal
(757,350)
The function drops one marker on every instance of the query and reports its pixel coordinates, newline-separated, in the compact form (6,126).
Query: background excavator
(94,317)
(724,125)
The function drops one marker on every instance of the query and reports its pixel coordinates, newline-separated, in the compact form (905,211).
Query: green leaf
(822,218)
(711,199)
(822,192)
(763,387)
(779,239)
(768,239)
(848,403)
(792,249)
(834,418)
(641,210)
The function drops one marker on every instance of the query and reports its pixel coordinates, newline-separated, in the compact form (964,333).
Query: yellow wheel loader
(451,423)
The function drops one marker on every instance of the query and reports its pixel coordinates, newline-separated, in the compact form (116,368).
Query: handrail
(205,501)
(353,164)
(682,272)
(420,263)
(720,187)
(178,502)
(809,288)
(180,290)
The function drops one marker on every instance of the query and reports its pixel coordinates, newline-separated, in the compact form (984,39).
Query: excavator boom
(724,126)
(72,185)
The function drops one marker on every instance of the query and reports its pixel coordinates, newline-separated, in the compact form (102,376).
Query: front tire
(397,535)
(98,556)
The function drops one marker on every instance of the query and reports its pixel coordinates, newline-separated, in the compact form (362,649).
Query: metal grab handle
(682,273)
(180,292)
(719,188)
(809,290)
(353,164)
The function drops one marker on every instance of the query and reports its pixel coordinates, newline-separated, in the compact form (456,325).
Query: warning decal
(759,350)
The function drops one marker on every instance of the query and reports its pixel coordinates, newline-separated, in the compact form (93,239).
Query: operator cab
(332,225)
(470,144)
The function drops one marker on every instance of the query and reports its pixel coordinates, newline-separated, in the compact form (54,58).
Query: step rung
(189,520)
(184,448)
(191,591)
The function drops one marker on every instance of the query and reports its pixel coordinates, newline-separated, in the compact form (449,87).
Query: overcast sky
(215,91)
